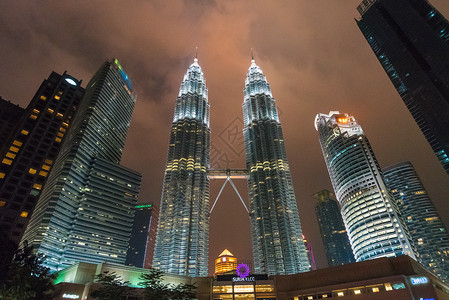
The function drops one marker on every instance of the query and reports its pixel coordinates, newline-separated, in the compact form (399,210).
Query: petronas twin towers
(182,243)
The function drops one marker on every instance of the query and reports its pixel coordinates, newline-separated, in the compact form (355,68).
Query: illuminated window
(7,161)
(43,98)
(49,161)
(24,132)
(32,171)
(24,214)
(357,292)
(14,149)
(17,143)
(50,110)
(59,115)
(65,124)
(57,97)
(2,203)
(388,287)
(37,186)
(10,155)
(34,117)
(375,289)
(2,175)
(43,173)
(340,294)
(36,111)
(58,139)
(223,259)
(60,134)
(310,297)
(62,129)
(46,167)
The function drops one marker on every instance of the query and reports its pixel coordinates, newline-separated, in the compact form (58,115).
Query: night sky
(313,55)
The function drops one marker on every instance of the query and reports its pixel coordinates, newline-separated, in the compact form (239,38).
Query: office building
(86,210)
(370,213)
(310,255)
(32,145)
(410,38)
(426,228)
(226,262)
(182,241)
(9,115)
(143,236)
(333,232)
(278,247)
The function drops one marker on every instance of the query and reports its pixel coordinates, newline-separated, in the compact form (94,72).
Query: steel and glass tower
(182,242)
(333,232)
(424,224)
(278,246)
(371,216)
(410,38)
(86,209)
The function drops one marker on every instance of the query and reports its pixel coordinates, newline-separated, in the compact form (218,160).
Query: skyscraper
(143,236)
(278,247)
(86,209)
(32,145)
(426,228)
(370,213)
(9,116)
(410,38)
(182,242)
(333,232)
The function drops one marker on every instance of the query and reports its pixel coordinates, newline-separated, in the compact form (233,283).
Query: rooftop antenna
(196,53)
(252,54)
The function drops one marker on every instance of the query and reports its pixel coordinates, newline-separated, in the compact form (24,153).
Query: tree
(156,290)
(112,287)
(27,278)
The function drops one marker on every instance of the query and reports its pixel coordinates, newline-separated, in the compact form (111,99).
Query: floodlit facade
(226,262)
(278,247)
(370,213)
(182,241)
(424,224)
(333,232)
(410,38)
(85,212)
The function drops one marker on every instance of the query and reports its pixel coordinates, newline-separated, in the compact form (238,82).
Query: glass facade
(426,228)
(182,241)
(333,232)
(410,38)
(370,213)
(278,246)
(86,210)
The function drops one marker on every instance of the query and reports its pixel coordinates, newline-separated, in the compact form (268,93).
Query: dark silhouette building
(333,232)
(28,155)
(143,236)
(9,115)
(410,38)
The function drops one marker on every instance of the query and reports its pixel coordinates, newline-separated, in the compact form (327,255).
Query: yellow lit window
(340,294)
(46,167)
(375,289)
(7,161)
(43,98)
(37,186)
(43,173)
(60,134)
(36,111)
(59,115)
(34,117)
(357,292)
(32,171)
(24,214)
(2,175)
(57,97)
(65,124)
(10,155)
(59,92)
(2,203)
(48,161)
(310,297)
(388,287)
(14,149)
(17,143)
(50,110)
(62,129)
(24,132)
(58,139)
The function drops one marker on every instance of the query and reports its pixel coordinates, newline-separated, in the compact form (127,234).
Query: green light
(143,206)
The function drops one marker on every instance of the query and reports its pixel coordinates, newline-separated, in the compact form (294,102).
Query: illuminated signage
(143,206)
(70,296)
(242,270)
(419,280)
(426,298)
(70,81)
(342,120)
(246,279)
(249,278)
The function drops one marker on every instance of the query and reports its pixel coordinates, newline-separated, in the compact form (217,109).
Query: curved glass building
(373,223)
(425,225)
(278,246)
(182,242)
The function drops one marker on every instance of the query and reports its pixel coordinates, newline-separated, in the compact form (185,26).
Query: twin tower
(182,243)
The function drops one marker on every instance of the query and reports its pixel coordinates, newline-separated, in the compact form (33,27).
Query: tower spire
(196,54)
(252,55)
